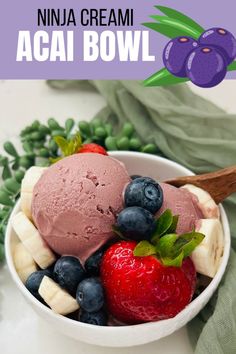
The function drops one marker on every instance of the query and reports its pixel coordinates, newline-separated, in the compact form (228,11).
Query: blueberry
(34,280)
(92,264)
(135,176)
(222,40)
(136,223)
(68,272)
(176,53)
(98,318)
(144,192)
(206,67)
(90,295)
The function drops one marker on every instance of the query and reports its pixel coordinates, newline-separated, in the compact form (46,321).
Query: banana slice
(57,298)
(33,242)
(206,256)
(24,262)
(206,203)
(30,179)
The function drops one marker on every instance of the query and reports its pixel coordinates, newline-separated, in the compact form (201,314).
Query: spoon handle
(219,184)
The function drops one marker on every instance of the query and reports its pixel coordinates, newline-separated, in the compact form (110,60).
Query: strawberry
(98,149)
(142,289)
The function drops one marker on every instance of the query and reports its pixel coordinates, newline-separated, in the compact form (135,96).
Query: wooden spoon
(219,184)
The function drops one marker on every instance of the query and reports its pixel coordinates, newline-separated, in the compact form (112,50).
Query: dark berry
(136,223)
(90,295)
(34,280)
(222,40)
(98,318)
(68,272)
(144,192)
(92,264)
(206,67)
(176,53)
(135,176)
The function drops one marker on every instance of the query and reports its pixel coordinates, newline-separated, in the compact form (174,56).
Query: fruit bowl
(125,336)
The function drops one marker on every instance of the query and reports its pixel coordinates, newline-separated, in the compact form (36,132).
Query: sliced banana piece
(33,242)
(206,203)
(24,262)
(57,298)
(30,179)
(206,256)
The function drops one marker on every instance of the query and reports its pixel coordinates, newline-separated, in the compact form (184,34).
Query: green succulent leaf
(180,17)
(143,249)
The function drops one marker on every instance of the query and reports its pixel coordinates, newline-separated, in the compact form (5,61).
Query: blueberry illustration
(222,40)
(206,67)
(68,272)
(136,223)
(144,192)
(176,53)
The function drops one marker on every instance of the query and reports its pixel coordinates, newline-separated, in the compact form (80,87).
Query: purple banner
(92,39)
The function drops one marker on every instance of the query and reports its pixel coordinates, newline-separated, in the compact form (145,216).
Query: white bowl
(161,169)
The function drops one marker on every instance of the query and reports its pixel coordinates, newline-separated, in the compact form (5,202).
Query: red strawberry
(141,289)
(98,149)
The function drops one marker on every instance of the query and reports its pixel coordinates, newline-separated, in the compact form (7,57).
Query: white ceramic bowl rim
(123,329)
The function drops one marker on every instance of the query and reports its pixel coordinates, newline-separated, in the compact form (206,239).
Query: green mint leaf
(174,262)
(165,244)
(188,242)
(163,223)
(143,249)
(62,143)
(174,224)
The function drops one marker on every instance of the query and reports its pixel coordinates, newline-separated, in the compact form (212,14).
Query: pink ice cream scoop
(183,203)
(76,201)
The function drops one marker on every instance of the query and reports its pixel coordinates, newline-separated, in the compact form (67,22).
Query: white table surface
(21,331)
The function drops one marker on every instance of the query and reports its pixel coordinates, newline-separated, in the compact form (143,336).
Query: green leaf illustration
(164,29)
(181,17)
(163,78)
(184,29)
(232,66)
